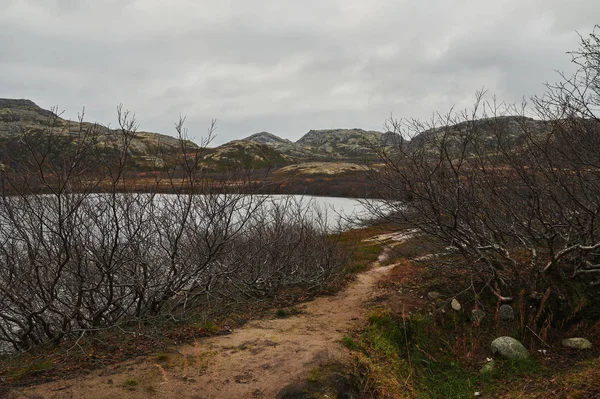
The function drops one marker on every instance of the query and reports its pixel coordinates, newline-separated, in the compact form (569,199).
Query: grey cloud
(281,66)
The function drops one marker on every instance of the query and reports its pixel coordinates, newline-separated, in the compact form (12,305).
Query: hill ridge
(261,149)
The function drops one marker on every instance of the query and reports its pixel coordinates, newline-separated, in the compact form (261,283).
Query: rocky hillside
(341,143)
(357,145)
(150,150)
(247,154)
(486,131)
(334,145)
(264,149)
(19,116)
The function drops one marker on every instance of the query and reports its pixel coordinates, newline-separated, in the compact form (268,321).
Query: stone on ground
(433,295)
(509,348)
(577,343)
(455,305)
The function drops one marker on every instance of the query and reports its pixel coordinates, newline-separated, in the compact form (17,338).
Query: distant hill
(487,131)
(267,150)
(267,138)
(342,143)
(332,145)
(357,145)
(18,116)
(246,154)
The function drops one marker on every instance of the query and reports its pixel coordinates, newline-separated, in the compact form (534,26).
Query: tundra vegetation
(513,205)
(518,201)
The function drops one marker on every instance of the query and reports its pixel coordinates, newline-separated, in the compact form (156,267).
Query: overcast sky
(281,66)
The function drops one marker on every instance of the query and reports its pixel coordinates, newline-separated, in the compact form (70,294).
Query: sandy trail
(255,361)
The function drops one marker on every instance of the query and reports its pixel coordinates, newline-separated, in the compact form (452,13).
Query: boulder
(577,343)
(506,313)
(455,304)
(477,315)
(509,348)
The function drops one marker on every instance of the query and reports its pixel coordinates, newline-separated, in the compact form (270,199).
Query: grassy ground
(420,357)
(411,347)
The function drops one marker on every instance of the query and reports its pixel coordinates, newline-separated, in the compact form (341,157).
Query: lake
(341,213)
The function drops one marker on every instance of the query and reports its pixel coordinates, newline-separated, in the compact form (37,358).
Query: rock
(509,348)
(477,315)
(506,313)
(433,295)
(488,367)
(577,343)
(455,305)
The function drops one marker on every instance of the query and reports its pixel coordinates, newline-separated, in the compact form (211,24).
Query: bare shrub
(76,260)
(518,198)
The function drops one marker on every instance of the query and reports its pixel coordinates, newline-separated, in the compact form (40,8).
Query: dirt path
(255,361)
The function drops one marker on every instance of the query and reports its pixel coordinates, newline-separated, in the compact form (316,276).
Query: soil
(260,360)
